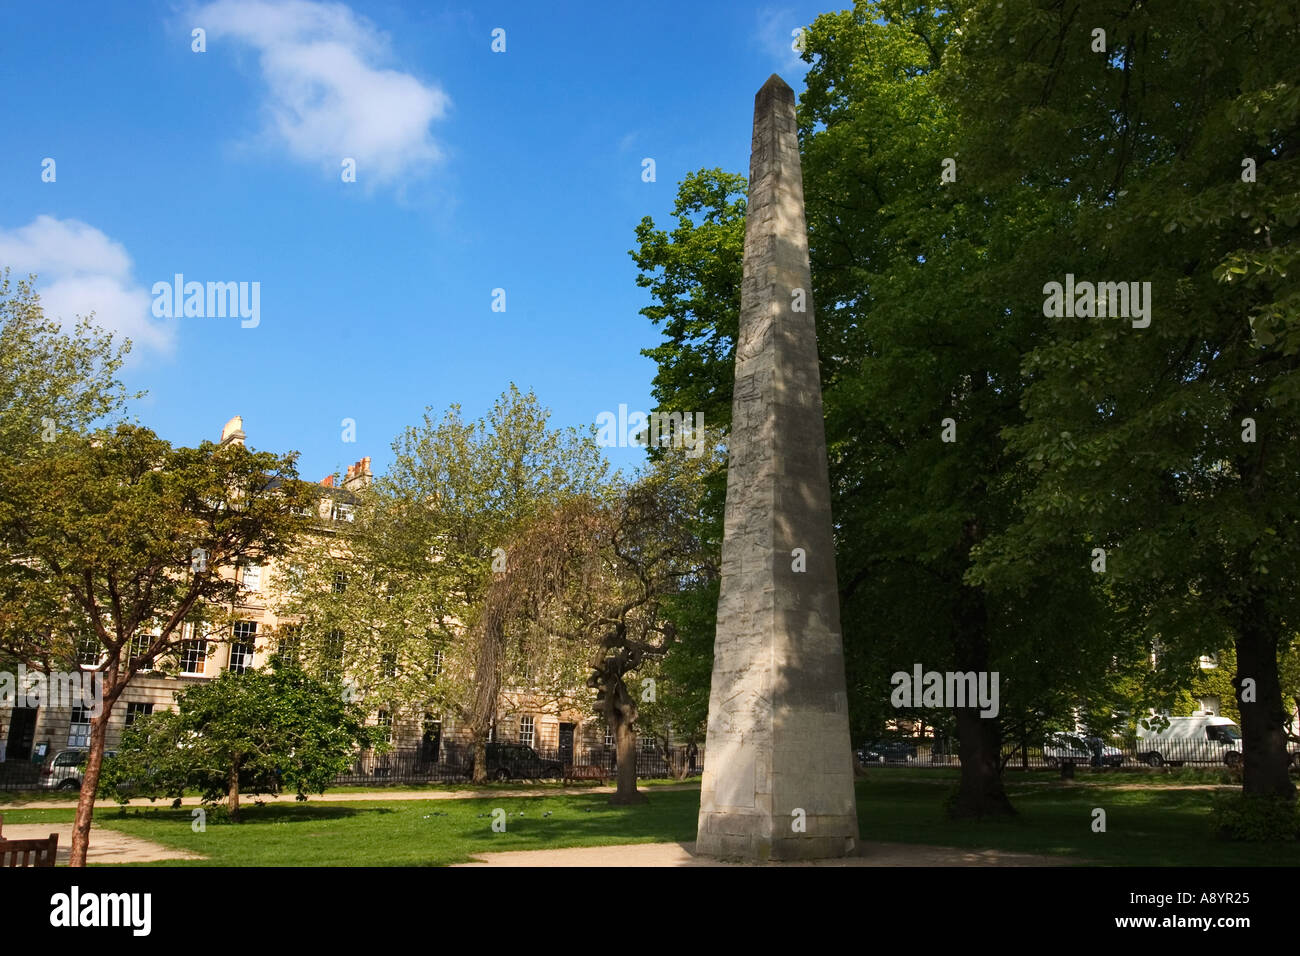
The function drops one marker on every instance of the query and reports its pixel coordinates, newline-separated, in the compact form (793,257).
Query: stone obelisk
(778,764)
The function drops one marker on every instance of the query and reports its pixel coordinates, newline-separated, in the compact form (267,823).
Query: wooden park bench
(29,852)
(584,772)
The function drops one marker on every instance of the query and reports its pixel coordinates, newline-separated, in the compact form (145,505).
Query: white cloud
(328,93)
(775,34)
(79,271)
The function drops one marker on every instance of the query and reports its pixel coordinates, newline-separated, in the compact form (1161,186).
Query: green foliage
(272,730)
(52,382)
(693,274)
(103,531)
(1257,819)
(418,561)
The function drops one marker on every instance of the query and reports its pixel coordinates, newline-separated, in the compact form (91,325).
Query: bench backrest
(29,852)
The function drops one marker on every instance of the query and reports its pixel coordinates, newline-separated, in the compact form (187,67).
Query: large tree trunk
(89,784)
(490,634)
(980,793)
(480,754)
(1263,720)
(232,796)
(626,792)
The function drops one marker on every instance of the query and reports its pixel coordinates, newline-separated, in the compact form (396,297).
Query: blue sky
(475,171)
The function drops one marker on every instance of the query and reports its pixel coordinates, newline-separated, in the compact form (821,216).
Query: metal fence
(1078,751)
(454,762)
(20,775)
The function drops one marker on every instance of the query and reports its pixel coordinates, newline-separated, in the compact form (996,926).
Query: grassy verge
(399,833)
(1150,826)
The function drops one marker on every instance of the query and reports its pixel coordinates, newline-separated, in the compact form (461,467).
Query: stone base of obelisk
(793,800)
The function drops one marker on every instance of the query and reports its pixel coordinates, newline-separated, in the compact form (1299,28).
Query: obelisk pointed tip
(775,87)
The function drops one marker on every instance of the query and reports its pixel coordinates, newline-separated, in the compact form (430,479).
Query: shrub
(1254,819)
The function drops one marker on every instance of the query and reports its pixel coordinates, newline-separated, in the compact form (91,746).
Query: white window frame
(143,708)
(250,577)
(527,730)
(201,645)
(79,730)
(84,649)
(244,637)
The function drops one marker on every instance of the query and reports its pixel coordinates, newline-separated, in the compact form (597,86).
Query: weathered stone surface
(778,733)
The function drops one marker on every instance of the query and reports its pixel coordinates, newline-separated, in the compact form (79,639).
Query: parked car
(1081,749)
(887,751)
(64,770)
(1202,738)
(517,762)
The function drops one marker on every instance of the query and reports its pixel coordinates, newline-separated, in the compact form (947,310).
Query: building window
(1210,705)
(649,743)
(194,656)
(388,663)
(290,641)
(437,662)
(343,512)
(333,652)
(252,577)
(526,730)
(609,737)
(135,710)
(385,722)
(89,651)
(340,582)
(243,646)
(79,730)
(138,647)
(1209,662)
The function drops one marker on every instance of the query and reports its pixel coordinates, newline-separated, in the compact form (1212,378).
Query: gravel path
(682,854)
(106,846)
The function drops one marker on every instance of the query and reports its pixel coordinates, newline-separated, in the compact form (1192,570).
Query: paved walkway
(106,846)
(682,854)
(338,797)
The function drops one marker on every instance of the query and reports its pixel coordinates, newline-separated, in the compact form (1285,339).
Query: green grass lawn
(399,833)
(1151,825)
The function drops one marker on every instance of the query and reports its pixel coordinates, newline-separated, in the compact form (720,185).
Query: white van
(1201,738)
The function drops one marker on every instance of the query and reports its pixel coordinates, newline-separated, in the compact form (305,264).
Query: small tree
(118,539)
(259,732)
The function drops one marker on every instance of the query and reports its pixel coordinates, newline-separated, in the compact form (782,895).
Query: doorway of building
(22,731)
(566,744)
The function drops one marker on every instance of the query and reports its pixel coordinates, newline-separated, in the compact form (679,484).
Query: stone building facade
(526,717)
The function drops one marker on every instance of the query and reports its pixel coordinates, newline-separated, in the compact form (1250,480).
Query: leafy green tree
(909,335)
(398,599)
(52,381)
(263,731)
(119,539)
(1168,439)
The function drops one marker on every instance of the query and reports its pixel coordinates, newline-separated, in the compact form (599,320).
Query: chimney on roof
(327,482)
(232,433)
(358,475)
